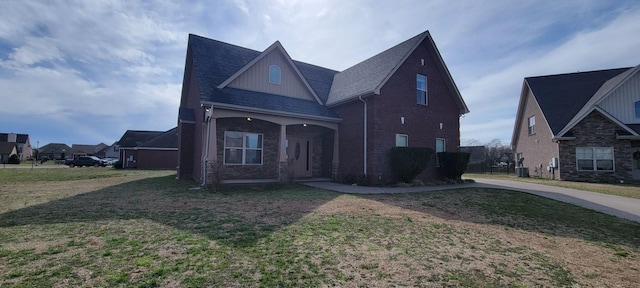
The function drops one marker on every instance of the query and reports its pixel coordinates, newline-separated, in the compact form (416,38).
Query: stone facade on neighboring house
(587,124)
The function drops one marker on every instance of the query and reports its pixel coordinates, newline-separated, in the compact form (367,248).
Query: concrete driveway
(623,207)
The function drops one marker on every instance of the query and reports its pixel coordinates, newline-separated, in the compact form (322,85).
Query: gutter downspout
(205,156)
(364,152)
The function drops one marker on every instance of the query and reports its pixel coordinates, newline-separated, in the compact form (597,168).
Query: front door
(299,153)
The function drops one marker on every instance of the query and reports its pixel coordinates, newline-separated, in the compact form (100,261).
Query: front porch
(241,147)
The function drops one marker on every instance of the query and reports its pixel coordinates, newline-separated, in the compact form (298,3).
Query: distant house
(86,150)
(477,159)
(113,151)
(262,115)
(149,149)
(6,150)
(54,151)
(581,126)
(23,145)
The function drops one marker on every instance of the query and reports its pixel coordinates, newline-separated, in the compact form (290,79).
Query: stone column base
(334,171)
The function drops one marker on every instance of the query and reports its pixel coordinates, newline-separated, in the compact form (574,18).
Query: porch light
(249,119)
(304,125)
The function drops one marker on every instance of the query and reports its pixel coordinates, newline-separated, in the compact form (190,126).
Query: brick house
(581,126)
(149,149)
(262,115)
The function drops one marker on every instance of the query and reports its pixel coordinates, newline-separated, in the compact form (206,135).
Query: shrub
(453,164)
(13,159)
(117,164)
(409,162)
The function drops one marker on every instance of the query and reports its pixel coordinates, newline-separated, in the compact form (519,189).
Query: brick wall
(596,131)
(422,123)
(270,147)
(537,149)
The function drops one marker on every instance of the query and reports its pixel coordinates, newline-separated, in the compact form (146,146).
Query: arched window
(637,109)
(274,74)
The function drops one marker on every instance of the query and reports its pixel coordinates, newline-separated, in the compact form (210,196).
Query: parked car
(109,161)
(85,161)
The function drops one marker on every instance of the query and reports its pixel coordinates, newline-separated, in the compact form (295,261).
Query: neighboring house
(54,151)
(86,150)
(247,114)
(477,158)
(113,151)
(22,143)
(6,150)
(581,126)
(149,149)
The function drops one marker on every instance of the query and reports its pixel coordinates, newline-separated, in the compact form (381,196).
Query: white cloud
(123,60)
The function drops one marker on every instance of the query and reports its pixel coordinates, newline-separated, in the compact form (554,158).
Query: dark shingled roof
(6,148)
(215,61)
(271,102)
(55,147)
(167,139)
(20,138)
(133,138)
(562,96)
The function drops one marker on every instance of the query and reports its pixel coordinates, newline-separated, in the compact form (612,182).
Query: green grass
(146,229)
(62,174)
(624,190)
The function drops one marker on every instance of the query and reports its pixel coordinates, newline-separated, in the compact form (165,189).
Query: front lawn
(108,228)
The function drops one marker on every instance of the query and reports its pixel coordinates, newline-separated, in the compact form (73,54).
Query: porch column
(213,142)
(282,155)
(335,163)
(213,177)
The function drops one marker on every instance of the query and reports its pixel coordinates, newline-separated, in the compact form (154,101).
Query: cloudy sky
(83,72)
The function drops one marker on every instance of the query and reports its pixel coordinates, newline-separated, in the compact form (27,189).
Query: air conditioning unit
(522,171)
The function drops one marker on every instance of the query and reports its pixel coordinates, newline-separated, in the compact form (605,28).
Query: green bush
(453,164)
(117,165)
(14,159)
(409,162)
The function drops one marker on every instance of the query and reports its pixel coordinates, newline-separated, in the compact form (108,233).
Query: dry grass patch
(146,229)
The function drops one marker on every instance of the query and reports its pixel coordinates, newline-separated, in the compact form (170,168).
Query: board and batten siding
(256,78)
(620,103)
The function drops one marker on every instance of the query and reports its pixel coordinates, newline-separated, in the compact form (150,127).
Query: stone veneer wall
(270,145)
(596,131)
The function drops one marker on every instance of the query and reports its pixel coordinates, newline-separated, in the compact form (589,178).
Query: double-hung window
(532,125)
(594,158)
(421,90)
(242,148)
(402,140)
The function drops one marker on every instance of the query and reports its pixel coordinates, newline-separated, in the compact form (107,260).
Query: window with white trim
(242,148)
(402,140)
(421,90)
(441,146)
(594,158)
(532,125)
(274,74)
(637,108)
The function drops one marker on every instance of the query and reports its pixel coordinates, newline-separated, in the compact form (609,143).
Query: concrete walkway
(623,207)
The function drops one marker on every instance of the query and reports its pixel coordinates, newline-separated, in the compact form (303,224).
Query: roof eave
(270,112)
(354,97)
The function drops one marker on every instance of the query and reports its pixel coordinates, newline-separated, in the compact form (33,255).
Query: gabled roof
(168,139)
(565,99)
(20,138)
(55,147)
(369,76)
(274,47)
(215,62)
(561,96)
(7,148)
(134,138)
(605,90)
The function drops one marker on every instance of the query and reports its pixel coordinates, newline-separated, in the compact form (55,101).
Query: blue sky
(83,72)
